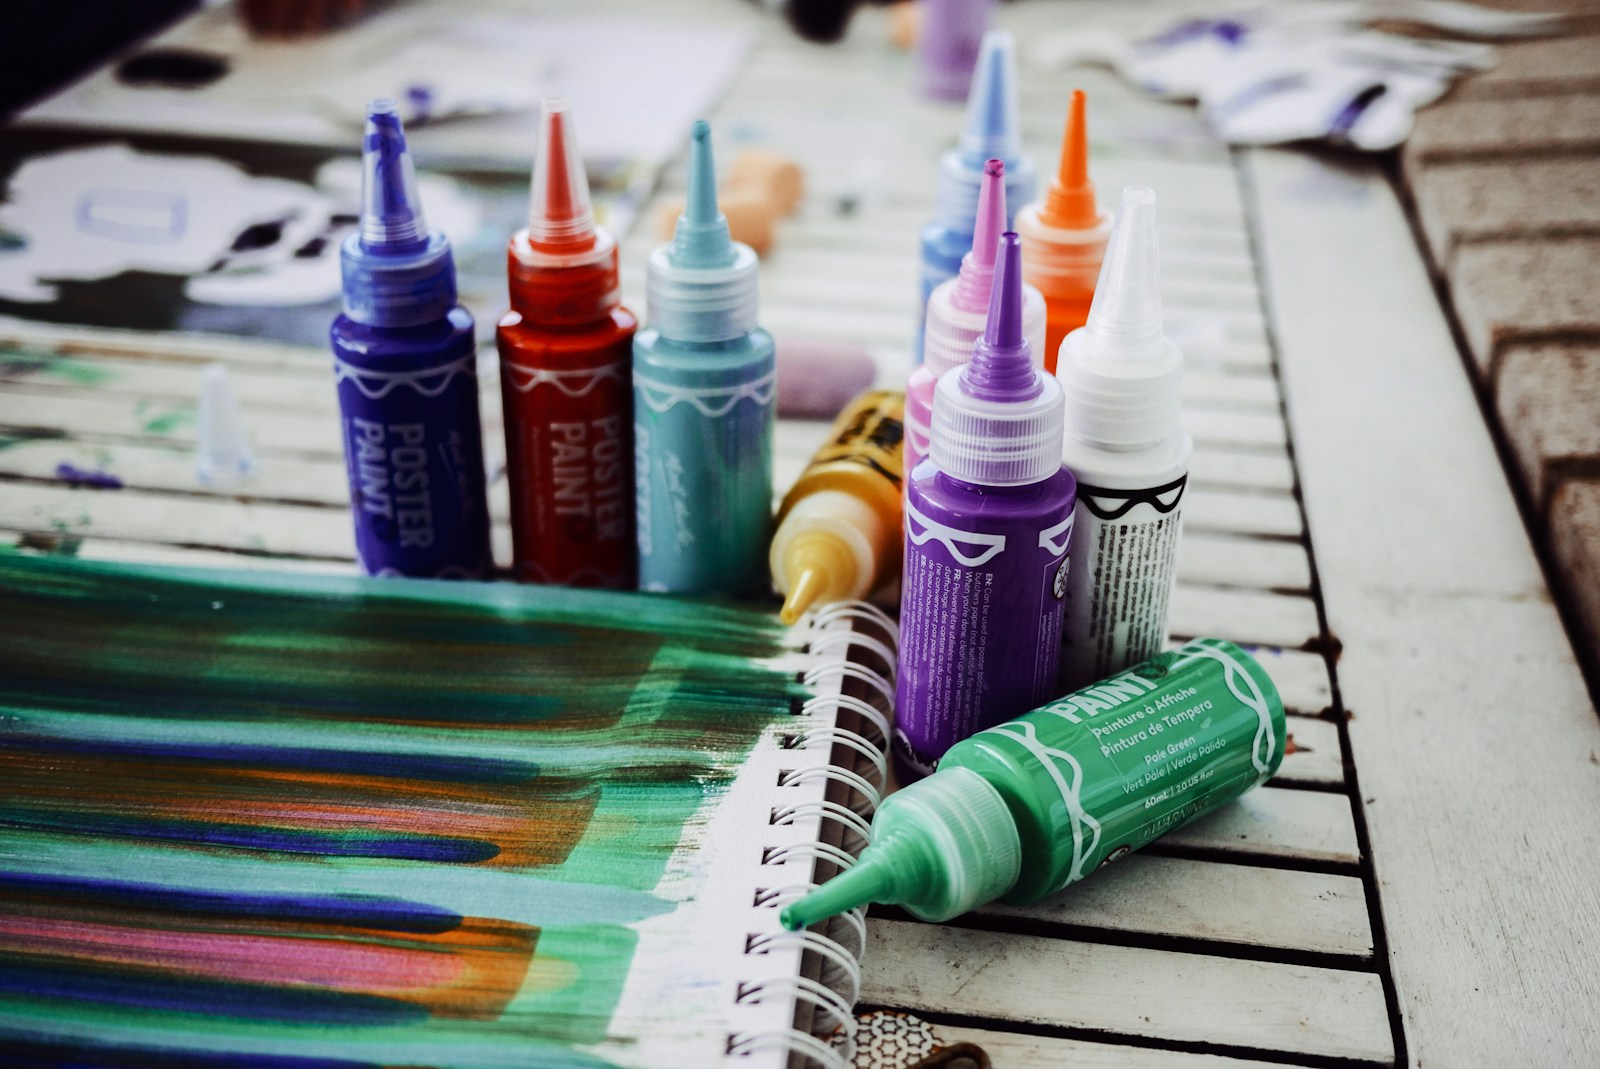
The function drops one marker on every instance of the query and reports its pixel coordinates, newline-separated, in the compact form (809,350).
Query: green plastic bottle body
(1097,774)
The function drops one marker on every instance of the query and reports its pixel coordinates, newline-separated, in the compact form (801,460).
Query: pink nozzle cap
(998,420)
(560,217)
(977,266)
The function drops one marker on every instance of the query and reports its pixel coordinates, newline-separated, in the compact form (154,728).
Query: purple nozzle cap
(1002,361)
(391,213)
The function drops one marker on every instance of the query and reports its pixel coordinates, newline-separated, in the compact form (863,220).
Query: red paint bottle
(566,381)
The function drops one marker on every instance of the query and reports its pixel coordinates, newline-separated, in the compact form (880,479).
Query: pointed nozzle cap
(1070,203)
(1122,376)
(992,126)
(998,420)
(224,454)
(1125,318)
(560,215)
(941,846)
(701,238)
(391,211)
(977,266)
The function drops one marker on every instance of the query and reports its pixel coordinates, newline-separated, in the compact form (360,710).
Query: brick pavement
(1504,174)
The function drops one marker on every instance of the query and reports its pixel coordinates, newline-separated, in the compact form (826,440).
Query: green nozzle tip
(702,239)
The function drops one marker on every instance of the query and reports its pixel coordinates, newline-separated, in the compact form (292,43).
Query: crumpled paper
(1307,72)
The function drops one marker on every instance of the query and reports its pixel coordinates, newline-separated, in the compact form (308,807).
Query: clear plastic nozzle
(560,214)
(391,212)
(1125,318)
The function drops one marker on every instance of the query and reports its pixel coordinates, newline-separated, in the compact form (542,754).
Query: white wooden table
(1419,884)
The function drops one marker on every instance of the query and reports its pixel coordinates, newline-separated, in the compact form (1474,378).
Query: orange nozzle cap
(1070,204)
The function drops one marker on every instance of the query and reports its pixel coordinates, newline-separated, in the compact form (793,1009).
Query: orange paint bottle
(1064,237)
(566,380)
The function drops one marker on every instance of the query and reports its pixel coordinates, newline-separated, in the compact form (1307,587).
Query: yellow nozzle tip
(806,589)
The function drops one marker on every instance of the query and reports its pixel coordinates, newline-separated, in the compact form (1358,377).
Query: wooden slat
(1306,826)
(1318,756)
(1206,558)
(1157,994)
(1475,737)
(1245,616)
(1217,509)
(1017,1050)
(1301,678)
(1269,908)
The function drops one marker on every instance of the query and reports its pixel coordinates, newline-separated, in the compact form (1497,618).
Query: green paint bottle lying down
(1021,810)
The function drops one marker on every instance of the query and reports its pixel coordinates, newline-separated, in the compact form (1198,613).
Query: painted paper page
(295,821)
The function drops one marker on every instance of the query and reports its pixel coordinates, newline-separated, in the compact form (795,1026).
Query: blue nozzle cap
(702,238)
(397,273)
(992,128)
(701,286)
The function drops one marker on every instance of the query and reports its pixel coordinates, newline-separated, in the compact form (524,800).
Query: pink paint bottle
(958,310)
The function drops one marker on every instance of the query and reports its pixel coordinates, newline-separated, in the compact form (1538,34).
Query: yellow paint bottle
(838,531)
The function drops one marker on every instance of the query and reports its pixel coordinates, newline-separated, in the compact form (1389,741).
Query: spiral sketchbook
(262,819)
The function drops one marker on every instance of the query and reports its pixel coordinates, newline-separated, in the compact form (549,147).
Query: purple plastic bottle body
(981,604)
(408,402)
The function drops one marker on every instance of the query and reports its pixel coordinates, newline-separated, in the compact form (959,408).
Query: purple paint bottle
(405,364)
(988,522)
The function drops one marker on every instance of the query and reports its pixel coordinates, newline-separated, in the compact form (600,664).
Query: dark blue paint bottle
(405,363)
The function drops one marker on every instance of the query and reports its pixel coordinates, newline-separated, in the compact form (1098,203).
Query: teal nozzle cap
(941,846)
(701,286)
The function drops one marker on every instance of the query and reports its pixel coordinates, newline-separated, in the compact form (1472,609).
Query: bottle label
(1120,584)
(1134,756)
(569,445)
(869,433)
(703,485)
(980,628)
(415,462)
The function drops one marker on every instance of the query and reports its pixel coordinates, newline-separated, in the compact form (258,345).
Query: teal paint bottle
(1023,809)
(704,375)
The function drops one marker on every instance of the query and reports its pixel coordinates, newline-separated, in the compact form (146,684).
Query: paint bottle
(1023,809)
(838,531)
(992,130)
(405,365)
(703,382)
(1064,236)
(958,309)
(988,521)
(947,45)
(1123,378)
(566,381)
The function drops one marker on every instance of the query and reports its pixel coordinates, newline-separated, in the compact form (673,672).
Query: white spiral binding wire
(840,962)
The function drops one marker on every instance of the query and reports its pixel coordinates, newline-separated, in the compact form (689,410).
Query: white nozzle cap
(225,456)
(1122,375)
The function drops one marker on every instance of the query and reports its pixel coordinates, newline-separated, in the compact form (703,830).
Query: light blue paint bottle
(993,130)
(703,381)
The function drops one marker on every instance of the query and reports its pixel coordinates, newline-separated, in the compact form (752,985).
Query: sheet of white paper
(635,86)
(90,213)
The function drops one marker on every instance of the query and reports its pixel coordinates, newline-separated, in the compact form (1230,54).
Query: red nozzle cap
(1070,204)
(560,218)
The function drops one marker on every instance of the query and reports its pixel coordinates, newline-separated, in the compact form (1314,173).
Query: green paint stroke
(17,364)
(389,821)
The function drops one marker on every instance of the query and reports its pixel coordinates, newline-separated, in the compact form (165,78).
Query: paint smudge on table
(252,818)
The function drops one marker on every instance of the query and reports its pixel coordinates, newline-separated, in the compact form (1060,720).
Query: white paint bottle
(1122,377)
